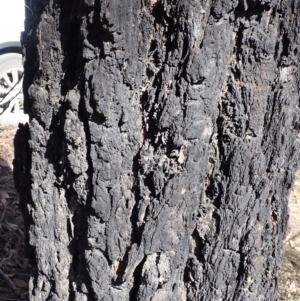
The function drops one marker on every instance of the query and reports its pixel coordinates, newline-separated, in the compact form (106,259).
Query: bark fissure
(162,147)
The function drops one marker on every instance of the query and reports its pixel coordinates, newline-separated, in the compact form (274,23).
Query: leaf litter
(14,267)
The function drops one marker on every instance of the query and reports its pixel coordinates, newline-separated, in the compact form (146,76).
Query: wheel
(11,95)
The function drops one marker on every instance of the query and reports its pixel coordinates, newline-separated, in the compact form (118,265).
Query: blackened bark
(162,146)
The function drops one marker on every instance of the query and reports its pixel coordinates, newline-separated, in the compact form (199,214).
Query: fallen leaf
(6,164)
(19,282)
(4,194)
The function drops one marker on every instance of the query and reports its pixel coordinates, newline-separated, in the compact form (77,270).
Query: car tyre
(11,73)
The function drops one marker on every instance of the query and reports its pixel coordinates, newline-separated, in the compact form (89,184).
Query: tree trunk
(161,148)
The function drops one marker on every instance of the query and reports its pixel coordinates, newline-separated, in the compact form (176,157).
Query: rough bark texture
(161,147)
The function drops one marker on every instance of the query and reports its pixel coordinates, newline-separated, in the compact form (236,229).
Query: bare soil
(14,269)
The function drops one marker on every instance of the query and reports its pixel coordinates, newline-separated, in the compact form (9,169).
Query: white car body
(12,15)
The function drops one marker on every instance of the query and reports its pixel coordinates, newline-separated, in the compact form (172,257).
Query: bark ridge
(161,149)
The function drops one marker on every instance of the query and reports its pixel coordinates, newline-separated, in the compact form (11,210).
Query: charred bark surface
(162,146)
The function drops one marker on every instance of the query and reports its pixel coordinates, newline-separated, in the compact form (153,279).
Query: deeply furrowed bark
(161,148)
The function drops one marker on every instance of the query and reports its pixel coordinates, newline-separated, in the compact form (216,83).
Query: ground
(14,266)
(290,277)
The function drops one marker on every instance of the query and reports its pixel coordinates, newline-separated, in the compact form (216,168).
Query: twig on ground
(11,284)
